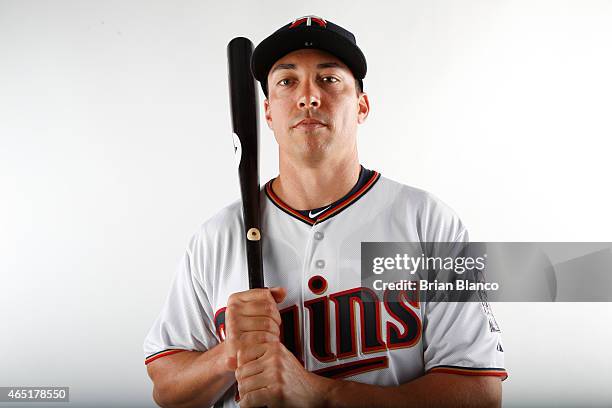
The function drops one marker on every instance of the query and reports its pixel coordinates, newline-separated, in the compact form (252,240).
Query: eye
(284,82)
(330,79)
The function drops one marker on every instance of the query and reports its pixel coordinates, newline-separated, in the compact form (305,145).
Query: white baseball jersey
(387,342)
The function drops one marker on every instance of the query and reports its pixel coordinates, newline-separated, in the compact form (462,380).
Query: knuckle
(247,401)
(277,392)
(267,324)
(276,361)
(268,308)
(239,374)
(230,328)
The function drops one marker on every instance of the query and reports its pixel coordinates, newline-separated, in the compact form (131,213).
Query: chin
(309,145)
(315,150)
(316,140)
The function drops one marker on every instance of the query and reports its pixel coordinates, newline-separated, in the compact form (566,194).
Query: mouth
(309,124)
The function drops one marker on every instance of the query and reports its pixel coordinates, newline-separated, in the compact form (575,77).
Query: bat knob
(253,234)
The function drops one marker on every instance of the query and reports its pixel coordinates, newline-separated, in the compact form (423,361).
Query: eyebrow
(282,66)
(292,66)
(329,65)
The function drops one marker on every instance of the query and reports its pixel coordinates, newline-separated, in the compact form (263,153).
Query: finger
(256,323)
(252,368)
(250,353)
(257,398)
(250,295)
(278,294)
(252,382)
(257,337)
(259,308)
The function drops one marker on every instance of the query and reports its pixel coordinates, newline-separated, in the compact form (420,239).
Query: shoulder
(402,191)
(436,219)
(214,244)
(224,225)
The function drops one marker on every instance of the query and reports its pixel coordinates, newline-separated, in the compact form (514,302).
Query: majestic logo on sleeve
(358,319)
(308,20)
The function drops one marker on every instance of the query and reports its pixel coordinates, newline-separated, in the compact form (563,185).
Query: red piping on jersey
(161,354)
(352,198)
(495,372)
(284,206)
(327,214)
(353,368)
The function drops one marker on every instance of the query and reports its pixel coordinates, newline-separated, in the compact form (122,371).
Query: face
(313,106)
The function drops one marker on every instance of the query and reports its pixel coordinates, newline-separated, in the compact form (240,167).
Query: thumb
(278,293)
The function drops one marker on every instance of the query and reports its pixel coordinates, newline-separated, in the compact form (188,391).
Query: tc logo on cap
(308,20)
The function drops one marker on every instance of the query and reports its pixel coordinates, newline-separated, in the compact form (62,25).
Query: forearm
(431,390)
(190,378)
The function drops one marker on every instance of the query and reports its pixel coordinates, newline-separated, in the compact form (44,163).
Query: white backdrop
(115,145)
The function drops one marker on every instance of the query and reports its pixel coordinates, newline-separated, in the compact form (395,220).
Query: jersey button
(320,263)
(318,235)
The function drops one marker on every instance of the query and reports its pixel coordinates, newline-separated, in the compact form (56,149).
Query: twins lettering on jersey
(402,330)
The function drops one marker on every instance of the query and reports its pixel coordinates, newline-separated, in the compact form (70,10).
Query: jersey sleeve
(186,318)
(463,338)
(459,337)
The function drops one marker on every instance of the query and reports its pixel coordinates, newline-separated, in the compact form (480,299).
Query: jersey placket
(305,277)
(311,268)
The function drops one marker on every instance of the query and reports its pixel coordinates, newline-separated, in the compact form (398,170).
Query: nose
(309,97)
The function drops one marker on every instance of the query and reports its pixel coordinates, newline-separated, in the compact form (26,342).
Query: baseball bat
(245,126)
(243,102)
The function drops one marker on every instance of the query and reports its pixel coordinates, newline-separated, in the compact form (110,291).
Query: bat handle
(254,258)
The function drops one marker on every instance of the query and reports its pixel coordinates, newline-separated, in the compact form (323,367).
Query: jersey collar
(335,209)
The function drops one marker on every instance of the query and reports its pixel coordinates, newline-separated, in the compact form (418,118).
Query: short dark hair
(358,86)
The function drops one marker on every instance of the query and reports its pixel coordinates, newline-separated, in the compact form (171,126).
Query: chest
(331,323)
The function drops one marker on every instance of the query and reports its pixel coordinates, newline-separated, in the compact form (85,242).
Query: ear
(364,108)
(268,113)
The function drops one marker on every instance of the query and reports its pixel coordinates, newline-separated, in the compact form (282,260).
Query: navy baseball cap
(308,32)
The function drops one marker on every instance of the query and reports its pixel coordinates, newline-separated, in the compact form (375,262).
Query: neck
(306,186)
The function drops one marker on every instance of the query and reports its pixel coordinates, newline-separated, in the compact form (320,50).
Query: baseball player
(316,337)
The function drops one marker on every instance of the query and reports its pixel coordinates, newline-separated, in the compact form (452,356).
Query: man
(309,340)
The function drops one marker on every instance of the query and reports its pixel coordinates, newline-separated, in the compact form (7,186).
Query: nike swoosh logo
(315,215)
